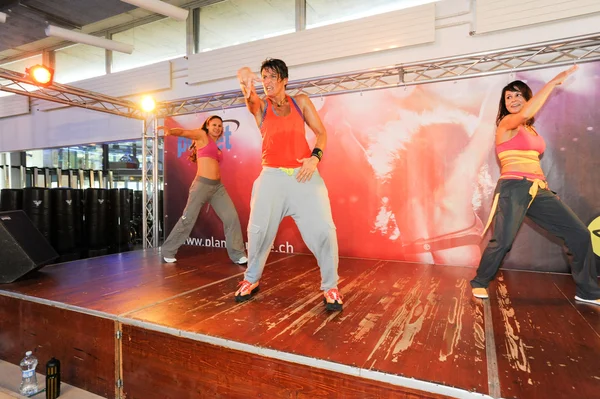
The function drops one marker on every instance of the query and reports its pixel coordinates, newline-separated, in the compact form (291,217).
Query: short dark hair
(515,86)
(275,65)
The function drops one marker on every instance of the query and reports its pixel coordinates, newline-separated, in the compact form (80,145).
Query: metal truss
(150,179)
(18,83)
(528,57)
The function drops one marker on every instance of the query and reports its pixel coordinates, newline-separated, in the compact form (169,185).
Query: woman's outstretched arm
(531,107)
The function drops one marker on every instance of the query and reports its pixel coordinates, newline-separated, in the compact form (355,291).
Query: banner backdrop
(411,170)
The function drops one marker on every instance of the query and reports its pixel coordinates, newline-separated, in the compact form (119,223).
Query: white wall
(453,23)
(64,127)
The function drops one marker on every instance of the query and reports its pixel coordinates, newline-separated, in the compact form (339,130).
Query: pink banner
(411,170)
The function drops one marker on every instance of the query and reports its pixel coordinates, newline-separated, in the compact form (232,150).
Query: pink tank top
(522,148)
(210,150)
(523,141)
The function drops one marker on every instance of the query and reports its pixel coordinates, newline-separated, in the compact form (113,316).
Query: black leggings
(550,213)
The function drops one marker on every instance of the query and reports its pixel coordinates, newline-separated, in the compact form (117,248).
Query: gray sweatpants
(201,191)
(276,194)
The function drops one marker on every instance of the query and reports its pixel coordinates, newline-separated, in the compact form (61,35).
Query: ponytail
(192,149)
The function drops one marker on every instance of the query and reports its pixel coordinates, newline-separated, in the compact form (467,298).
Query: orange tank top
(283,137)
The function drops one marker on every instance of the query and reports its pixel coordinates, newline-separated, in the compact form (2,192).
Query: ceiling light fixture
(95,41)
(40,75)
(160,7)
(148,104)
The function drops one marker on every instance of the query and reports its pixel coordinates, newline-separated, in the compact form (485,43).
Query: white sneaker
(170,260)
(592,301)
(241,261)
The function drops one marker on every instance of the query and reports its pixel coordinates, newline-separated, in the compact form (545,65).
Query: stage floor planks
(548,345)
(403,323)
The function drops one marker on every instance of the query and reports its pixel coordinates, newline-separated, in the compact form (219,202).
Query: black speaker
(23,248)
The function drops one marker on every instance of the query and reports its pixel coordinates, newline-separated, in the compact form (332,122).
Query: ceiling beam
(49,16)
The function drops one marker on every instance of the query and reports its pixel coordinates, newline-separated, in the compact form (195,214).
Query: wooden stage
(407,330)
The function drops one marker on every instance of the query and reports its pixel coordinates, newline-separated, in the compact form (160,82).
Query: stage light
(148,104)
(2,17)
(40,75)
(95,41)
(160,7)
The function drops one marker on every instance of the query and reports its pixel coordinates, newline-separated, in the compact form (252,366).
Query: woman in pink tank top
(522,191)
(206,187)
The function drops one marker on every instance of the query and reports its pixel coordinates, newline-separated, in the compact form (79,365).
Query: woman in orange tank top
(290,183)
(522,191)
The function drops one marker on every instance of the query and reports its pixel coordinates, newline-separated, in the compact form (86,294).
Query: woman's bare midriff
(532,168)
(208,168)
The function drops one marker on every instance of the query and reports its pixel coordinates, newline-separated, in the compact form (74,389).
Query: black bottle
(52,379)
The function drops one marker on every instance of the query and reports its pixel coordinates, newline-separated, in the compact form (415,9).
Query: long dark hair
(193,156)
(516,86)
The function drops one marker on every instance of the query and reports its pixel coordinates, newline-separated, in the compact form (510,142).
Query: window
(125,155)
(75,157)
(79,62)
(327,12)
(124,165)
(233,22)
(153,42)
(84,157)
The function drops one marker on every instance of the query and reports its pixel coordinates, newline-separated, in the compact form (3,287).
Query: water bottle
(29,384)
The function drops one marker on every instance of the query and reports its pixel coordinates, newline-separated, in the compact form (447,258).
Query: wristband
(317,152)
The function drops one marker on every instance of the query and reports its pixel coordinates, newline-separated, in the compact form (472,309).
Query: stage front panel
(84,344)
(159,366)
